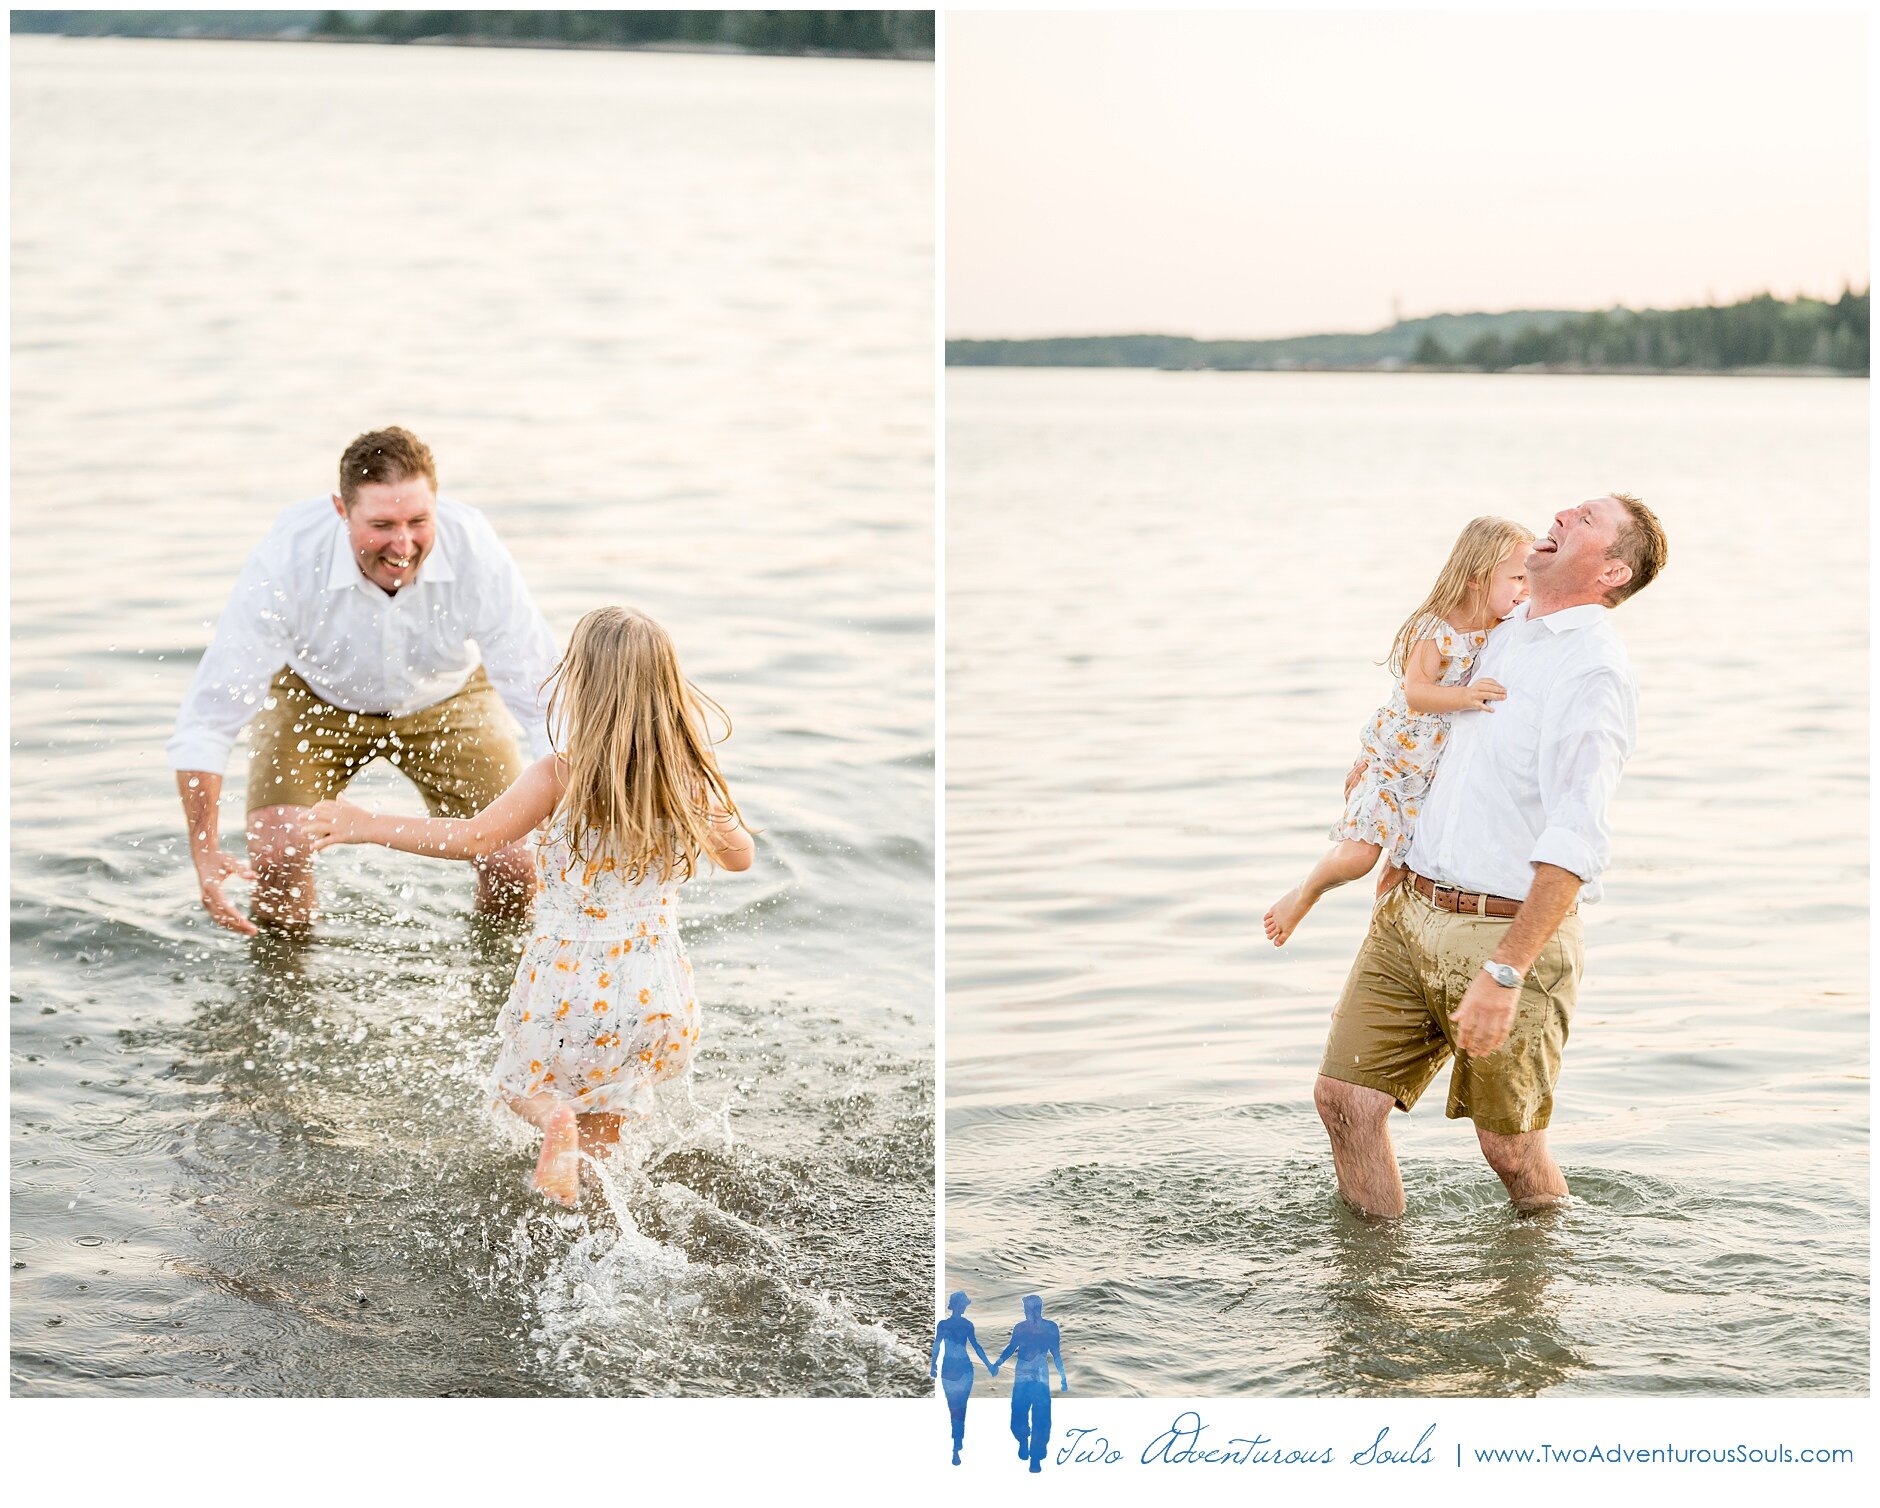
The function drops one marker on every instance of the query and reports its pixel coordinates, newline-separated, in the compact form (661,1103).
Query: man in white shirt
(1477,952)
(383,621)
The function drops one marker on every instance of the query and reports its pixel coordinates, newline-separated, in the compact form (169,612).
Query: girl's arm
(933,1361)
(514,814)
(1421,692)
(732,845)
(972,1339)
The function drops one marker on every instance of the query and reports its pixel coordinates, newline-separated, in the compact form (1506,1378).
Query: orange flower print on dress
(1401,750)
(602,940)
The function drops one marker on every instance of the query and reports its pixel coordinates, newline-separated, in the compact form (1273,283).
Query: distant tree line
(1759,332)
(894,33)
(164,23)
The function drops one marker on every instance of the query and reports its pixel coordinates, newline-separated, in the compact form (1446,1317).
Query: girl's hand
(332,822)
(1481,693)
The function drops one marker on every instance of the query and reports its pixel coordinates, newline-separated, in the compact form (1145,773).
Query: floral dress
(1401,750)
(602,1008)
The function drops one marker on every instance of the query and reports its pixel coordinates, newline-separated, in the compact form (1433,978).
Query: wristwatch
(1508,978)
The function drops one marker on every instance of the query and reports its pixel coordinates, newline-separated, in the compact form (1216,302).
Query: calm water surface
(667,320)
(1167,594)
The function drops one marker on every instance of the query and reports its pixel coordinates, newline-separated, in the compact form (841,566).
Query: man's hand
(214,869)
(1354,775)
(1484,1017)
(331,822)
(1481,693)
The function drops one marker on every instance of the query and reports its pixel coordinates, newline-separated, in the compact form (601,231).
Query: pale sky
(1250,174)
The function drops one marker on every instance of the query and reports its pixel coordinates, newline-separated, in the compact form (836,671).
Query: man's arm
(1010,1346)
(1587,734)
(251,641)
(1486,1012)
(249,644)
(1057,1355)
(201,791)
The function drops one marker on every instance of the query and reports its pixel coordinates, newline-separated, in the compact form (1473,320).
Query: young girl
(1484,580)
(602,1007)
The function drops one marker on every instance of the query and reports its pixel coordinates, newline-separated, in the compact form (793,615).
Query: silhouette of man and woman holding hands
(1036,1344)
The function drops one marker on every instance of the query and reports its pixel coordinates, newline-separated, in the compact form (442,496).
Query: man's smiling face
(391,527)
(1574,557)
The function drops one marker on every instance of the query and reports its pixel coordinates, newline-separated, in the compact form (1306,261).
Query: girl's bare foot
(558,1170)
(1285,915)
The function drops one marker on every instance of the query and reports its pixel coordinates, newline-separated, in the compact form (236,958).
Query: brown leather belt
(1467,902)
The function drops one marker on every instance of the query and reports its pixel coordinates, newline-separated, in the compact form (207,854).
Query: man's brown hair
(1640,543)
(384,455)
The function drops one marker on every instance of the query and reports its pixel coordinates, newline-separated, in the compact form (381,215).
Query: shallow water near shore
(667,321)
(1166,596)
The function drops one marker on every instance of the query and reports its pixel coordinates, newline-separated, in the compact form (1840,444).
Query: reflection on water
(668,322)
(1144,750)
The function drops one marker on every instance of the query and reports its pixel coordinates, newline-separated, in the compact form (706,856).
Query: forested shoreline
(826,33)
(1759,334)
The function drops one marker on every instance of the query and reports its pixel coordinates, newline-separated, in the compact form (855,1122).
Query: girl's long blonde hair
(1463,580)
(632,731)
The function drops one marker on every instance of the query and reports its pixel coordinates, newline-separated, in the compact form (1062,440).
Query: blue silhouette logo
(955,1370)
(1035,1341)
(1038,1344)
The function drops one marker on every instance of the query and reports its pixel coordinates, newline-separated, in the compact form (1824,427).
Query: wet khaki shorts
(461,753)
(1392,1029)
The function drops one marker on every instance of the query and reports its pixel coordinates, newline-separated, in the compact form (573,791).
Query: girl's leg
(1345,863)
(558,1169)
(600,1133)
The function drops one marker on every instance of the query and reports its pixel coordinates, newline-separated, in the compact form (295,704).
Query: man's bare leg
(1356,1117)
(283,866)
(1341,865)
(1526,1168)
(506,882)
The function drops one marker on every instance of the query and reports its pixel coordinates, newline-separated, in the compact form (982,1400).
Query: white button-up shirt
(1530,782)
(301,602)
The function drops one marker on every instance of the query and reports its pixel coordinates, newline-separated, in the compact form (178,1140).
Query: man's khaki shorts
(1393,1030)
(460,753)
